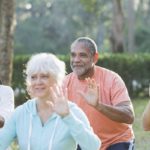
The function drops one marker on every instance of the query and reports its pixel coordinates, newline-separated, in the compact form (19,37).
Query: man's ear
(95,57)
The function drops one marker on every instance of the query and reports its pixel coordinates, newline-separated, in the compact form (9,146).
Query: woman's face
(40,84)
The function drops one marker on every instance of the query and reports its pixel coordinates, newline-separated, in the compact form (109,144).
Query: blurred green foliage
(52,25)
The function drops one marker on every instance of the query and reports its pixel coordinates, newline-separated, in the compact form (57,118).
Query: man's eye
(83,55)
(72,55)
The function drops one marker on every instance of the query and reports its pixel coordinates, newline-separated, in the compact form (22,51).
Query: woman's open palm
(60,101)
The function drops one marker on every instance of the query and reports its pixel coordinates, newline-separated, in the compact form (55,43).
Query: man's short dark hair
(87,42)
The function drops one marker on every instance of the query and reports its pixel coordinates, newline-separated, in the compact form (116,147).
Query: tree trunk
(7,25)
(116,37)
(130,24)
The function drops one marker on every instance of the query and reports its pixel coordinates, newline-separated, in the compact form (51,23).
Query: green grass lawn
(142,138)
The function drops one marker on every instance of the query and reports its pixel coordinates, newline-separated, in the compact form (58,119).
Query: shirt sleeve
(6,102)
(119,92)
(81,130)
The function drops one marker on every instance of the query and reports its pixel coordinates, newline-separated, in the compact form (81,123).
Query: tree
(7,25)
(142,32)
(116,37)
(53,24)
(117,25)
(130,24)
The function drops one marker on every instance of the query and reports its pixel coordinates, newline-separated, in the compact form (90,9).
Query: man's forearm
(2,121)
(122,114)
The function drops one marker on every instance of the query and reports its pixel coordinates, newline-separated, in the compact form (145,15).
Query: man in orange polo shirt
(102,95)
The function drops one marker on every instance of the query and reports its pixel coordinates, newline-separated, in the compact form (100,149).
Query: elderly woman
(48,121)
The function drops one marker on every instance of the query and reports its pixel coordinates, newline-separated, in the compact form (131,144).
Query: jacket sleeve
(8,133)
(6,102)
(81,130)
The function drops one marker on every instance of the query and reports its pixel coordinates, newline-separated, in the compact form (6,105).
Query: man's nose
(77,58)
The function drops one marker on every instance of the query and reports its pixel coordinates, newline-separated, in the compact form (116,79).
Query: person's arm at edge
(7,104)
(8,132)
(146,118)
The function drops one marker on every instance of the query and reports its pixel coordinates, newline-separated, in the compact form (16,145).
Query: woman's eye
(45,76)
(33,77)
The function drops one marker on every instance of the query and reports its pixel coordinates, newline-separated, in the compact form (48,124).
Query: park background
(119,27)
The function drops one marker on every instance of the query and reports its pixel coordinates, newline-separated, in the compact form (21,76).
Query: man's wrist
(98,107)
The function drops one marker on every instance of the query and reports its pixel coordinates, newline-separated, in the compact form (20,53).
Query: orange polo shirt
(113,91)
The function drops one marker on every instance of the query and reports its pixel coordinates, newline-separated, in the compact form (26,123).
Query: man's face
(81,60)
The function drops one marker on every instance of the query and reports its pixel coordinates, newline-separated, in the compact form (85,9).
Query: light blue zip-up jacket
(56,134)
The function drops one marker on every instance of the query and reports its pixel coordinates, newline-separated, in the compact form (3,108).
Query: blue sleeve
(81,130)
(8,132)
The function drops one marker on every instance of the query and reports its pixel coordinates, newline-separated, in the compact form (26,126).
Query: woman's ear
(95,57)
